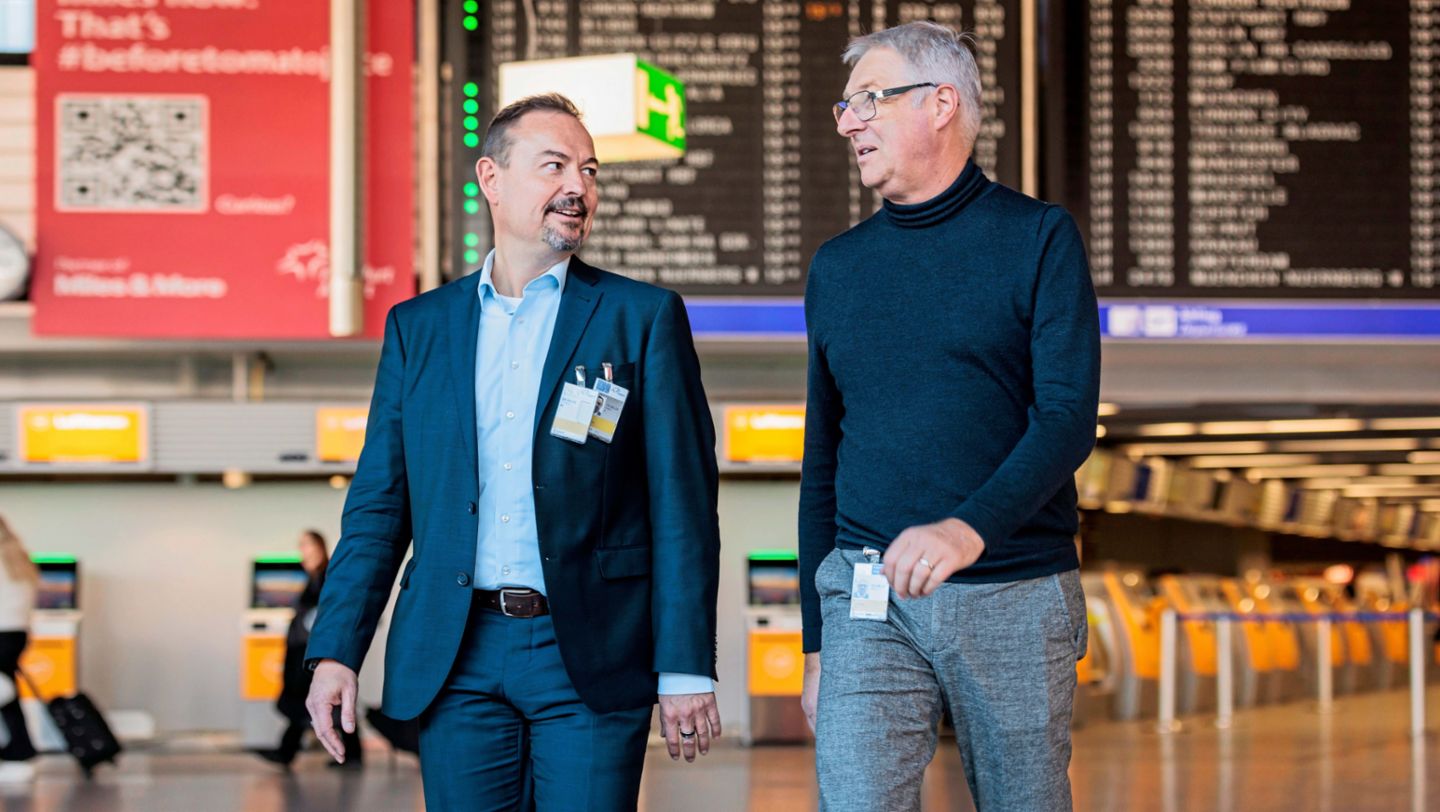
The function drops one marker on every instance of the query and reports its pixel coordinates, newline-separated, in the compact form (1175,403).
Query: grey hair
(937,54)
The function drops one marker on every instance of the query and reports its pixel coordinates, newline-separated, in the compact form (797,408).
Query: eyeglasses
(862,104)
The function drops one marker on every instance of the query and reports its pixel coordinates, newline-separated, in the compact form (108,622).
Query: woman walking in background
(314,557)
(19,578)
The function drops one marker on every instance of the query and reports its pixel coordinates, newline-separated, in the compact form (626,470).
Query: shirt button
(508,466)
(470,508)
(521,319)
(505,519)
(514,364)
(504,570)
(509,415)
(462,579)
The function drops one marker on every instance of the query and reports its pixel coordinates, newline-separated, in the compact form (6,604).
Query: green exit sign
(634,110)
(660,105)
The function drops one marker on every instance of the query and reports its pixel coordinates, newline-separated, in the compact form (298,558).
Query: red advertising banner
(182,167)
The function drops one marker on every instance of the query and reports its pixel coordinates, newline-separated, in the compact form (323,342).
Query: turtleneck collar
(971,183)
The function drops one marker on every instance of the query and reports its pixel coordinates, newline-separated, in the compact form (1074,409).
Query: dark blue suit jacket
(629,536)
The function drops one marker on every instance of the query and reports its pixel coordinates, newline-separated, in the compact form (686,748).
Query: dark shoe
(349,764)
(274,757)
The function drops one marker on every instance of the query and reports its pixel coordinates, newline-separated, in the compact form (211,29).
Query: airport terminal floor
(1291,757)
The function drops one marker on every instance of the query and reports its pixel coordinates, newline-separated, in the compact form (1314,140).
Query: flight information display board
(765,179)
(1255,149)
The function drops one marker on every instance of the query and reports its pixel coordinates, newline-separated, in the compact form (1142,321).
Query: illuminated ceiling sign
(764,434)
(634,110)
(88,434)
(339,433)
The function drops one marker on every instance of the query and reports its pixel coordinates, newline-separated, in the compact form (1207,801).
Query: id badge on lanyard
(869,591)
(575,410)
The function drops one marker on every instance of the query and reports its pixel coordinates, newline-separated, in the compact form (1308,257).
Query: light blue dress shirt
(514,339)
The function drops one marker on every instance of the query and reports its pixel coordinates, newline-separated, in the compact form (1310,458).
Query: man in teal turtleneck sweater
(953,387)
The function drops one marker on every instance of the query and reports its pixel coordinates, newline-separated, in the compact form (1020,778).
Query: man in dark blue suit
(566,557)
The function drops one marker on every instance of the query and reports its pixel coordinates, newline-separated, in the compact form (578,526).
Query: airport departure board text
(766,179)
(1258,148)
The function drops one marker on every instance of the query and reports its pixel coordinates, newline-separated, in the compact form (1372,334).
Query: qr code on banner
(131,153)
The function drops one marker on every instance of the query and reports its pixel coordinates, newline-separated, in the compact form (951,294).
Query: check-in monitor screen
(277,585)
(774,582)
(58,589)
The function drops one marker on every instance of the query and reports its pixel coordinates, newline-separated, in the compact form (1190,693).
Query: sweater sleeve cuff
(685,684)
(991,532)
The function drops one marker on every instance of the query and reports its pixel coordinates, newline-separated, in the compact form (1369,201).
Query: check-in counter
(275,586)
(775,664)
(51,657)
(1288,598)
(1389,638)
(1349,644)
(1270,647)
(1196,650)
(1095,673)
(1133,609)
(1364,665)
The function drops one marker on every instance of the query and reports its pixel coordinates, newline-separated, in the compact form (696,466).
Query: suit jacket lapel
(464,331)
(577,305)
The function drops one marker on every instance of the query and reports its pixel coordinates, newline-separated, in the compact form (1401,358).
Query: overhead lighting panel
(1306,472)
(1403,469)
(1191,449)
(1405,424)
(1252,460)
(1373,444)
(1282,426)
(1165,429)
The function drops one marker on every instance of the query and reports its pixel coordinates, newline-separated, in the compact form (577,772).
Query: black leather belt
(513,602)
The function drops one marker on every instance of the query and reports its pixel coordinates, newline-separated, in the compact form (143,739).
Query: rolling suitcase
(87,737)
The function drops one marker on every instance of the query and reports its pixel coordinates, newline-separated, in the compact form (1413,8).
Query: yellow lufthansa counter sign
(262,667)
(71,434)
(777,665)
(50,662)
(339,434)
(764,433)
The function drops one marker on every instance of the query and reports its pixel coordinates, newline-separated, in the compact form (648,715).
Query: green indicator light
(472,140)
(471,6)
(472,189)
(472,240)
(772,555)
(471,23)
(45,558)
(471,106)
(471,89)
(472,206)
(472,256)
(278,558)
(471,122)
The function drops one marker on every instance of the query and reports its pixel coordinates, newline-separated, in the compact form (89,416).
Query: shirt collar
(559,272)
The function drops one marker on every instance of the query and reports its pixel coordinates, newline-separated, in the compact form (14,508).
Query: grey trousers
(999,657)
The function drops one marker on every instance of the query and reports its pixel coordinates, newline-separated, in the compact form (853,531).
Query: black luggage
(87,737)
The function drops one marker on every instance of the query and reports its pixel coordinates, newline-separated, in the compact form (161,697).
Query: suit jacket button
(470,508)
(462,579)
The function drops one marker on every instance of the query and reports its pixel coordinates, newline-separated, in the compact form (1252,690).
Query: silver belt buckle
(503,610)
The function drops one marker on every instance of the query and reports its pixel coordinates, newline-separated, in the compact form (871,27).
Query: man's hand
(919,560)
(695,714)
(334,684)
(810,693)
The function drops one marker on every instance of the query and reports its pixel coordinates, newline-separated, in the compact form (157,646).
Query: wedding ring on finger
(927,564)
(685,735)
